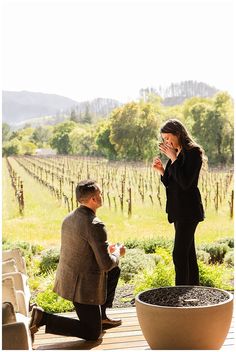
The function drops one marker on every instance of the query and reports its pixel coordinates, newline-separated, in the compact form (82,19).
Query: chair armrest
(22,291)
(16,254)
(24,271)
(8,314)
(23,303)
(20,280)
(16,336)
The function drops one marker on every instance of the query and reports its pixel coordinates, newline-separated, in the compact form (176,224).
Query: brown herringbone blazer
(84,258)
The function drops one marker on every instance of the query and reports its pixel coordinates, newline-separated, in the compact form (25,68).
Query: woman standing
(184,205)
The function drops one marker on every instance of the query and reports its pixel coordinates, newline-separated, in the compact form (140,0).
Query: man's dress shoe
(36,320)
(108,323)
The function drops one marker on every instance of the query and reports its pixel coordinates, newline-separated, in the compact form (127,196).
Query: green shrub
(165,255)
(229,259)
(23,245)
(134,261)
(217,251)
(33,269)
(34,283)
(203,256)
(228,241)
(46,298)
(40,282)
(36,249)
(161,275)
(53,303)
(131,243)
(50,260)
(212,276)
(164,274)
(150,245)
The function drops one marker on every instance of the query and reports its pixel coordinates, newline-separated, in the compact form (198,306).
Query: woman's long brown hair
(176,128)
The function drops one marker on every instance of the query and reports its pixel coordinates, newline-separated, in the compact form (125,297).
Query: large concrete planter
(192,327)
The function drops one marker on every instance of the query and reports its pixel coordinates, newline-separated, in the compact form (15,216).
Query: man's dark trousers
(89,325)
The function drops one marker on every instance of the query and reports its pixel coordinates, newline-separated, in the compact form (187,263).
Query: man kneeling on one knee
(87,273)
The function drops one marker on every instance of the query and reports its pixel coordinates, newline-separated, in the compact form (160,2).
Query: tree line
(185,89)
(131,131)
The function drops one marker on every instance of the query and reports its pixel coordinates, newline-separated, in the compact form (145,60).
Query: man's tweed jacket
(84,258)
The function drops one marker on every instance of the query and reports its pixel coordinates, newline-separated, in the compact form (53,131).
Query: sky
(111,49)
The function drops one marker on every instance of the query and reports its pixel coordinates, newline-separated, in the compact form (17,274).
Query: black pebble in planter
(185,317)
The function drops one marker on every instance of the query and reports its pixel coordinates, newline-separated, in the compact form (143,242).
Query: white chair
(13,265)
(15,331)
(15,302)
(15,254)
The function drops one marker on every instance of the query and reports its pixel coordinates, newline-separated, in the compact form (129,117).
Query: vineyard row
(121,183)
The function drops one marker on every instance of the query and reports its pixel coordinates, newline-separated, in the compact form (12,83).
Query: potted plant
(185,317)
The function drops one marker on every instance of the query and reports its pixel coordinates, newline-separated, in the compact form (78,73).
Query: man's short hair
(85,190)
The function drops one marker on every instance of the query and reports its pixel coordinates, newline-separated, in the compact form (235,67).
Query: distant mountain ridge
(35,108)
(24,106)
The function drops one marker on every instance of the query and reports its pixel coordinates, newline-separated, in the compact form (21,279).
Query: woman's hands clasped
(168,150)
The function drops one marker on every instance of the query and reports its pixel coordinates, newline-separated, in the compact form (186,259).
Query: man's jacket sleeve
(99,244)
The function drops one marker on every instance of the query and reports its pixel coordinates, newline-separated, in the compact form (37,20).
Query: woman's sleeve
(164,178)
(185,172)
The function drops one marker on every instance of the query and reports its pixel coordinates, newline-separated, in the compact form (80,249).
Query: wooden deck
(125,337)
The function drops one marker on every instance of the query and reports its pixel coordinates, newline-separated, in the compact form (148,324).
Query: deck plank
(128,336)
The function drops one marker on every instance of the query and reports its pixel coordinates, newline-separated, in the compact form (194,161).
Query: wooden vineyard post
(205,199)
(109,200)
(217,196)
(72,195)
(66,201)
(60,187)
(231,204)
(122,196)
(130,202)
(159,199)
(88,174)
(150,196)
(114,199)
(103,198)
(18,185)
(159,193)
(141,188)
(21,199)
(41,173)
(159,187)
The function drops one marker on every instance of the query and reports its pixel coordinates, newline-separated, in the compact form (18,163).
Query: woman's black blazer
(181,180)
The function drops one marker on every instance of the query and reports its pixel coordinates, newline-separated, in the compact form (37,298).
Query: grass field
(43,215)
